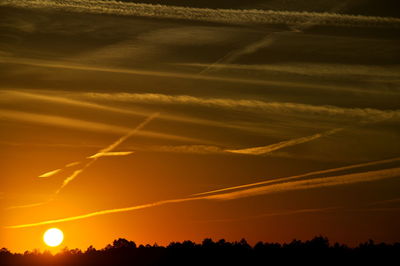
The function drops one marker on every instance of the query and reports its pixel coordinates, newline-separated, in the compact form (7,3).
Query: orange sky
(117,125)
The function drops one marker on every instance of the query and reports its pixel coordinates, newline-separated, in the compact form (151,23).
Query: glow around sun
(53,237)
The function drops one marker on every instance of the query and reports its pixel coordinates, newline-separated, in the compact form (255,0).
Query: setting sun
(53,237)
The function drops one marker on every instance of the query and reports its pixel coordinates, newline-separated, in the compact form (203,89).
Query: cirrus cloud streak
(312,183)
(227,16)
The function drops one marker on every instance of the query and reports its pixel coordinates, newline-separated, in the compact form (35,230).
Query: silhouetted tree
(208,243)
(242,244)
(4,251)
(318,242)
(123,243)
(90,250)
(316,251)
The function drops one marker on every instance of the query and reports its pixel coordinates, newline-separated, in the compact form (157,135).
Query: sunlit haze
(161,121)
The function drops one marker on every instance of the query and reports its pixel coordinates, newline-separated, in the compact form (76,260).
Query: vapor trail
(310,183)
(82,124)
(51,173)
(93,214)
(386,201)
(283,144)
(311,69)
(106,150)
(54,172)
(248,104)
(236,54)
(285,179)
(114,153)
(368,176)
(227,16)
(268,40)
(72,164)
(69,100)
(28,205)
(162,74)
(131,133)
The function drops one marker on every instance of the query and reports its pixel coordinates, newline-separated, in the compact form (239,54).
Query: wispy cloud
(50,173)
(74,175)
(310,183)
(28,205)
(72,98)
(249,104)
(105,154)
(195,149)
(83,125)
(310,174)
(129,134)
(60,121)
(236,54)
(163,74)
(346,179)
(57,171)
(18,94)
(72,164)
(386,201)
(283,144)
(107,150)
(377,210)
(103,212)
(227,16)
(270,39)
(311,69)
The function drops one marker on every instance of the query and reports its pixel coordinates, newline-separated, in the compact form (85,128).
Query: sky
(267,120)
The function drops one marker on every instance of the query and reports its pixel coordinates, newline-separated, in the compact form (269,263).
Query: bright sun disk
(53,237)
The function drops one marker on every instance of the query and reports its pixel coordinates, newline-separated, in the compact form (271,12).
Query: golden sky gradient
(167,123)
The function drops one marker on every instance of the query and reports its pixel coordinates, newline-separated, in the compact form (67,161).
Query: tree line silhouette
(317,251)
